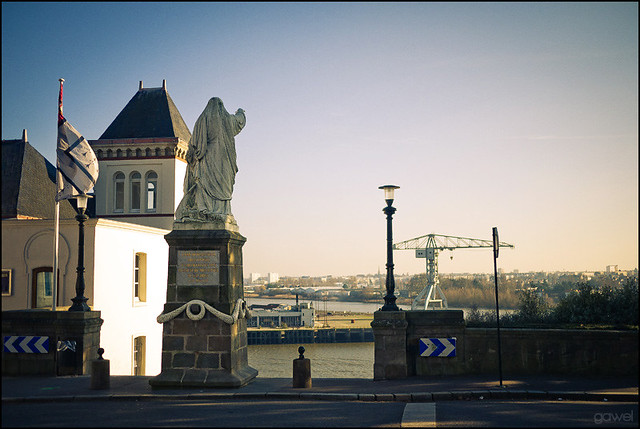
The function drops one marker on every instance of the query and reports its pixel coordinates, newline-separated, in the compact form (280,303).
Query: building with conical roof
(142,161)
(142,165)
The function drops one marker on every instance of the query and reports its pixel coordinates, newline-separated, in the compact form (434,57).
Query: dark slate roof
(29,184)
(150,113)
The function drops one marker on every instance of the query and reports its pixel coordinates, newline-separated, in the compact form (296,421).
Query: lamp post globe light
(80,302)
(389,299)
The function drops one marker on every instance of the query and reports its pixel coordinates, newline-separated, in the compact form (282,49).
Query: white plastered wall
(110,247)
(124,318)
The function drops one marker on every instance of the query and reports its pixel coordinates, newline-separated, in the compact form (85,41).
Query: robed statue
(211,166)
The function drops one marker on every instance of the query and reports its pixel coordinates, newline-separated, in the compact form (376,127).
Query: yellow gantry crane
(428,246)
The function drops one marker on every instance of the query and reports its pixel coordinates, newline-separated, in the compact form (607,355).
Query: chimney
(164,84)
(140,88)
(24,135)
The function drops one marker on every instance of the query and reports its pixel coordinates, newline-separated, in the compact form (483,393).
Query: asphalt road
(181,413)
(536,414)
(287,413)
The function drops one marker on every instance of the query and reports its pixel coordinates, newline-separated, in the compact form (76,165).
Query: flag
(77,164)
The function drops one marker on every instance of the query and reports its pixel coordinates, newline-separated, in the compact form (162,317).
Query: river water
(354,307)
(328,360)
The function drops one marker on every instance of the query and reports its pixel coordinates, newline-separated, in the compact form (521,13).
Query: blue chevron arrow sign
(437,347)
(26,344)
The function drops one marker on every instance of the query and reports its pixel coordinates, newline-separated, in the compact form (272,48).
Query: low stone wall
(524,351)
(552,351)
(78,326)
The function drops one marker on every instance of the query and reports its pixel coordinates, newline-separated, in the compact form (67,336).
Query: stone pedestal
(390,345)
(202,350)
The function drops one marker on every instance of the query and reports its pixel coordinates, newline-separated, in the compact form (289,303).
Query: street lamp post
(80,302)
(389,299)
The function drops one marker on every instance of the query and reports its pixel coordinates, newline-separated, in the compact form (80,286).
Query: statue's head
(215,104)
(215,107)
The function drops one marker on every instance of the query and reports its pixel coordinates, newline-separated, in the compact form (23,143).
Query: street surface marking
(419,415)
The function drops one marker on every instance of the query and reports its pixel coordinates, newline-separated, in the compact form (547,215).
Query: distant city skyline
(258,276)
(521,116)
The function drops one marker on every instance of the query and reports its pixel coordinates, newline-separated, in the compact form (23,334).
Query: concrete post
(100,372)
(301,371)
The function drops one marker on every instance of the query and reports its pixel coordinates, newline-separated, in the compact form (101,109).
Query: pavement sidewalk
(412,389)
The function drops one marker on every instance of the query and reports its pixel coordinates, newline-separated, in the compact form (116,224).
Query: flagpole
(56,228)
(55,256)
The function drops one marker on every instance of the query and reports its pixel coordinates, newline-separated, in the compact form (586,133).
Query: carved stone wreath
(240,311)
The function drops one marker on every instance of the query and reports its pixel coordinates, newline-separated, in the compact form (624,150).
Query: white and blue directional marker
(437,347)
(26,344)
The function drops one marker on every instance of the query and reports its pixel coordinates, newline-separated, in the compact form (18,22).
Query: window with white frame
(118,194)
(136,183)
(140,277)
(6,282)
(152,191)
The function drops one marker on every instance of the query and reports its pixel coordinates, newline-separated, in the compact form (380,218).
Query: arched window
(42,287)
(118,192)
(136,181)
(152,191)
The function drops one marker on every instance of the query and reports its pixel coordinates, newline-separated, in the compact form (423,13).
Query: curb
(366,397)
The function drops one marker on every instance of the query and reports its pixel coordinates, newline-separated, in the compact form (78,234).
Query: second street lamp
(389,299)
(80,302)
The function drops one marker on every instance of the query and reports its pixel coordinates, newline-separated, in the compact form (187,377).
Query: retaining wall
(82,327)
(524,351)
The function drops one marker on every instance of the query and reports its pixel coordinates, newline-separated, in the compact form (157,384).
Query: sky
(520,116)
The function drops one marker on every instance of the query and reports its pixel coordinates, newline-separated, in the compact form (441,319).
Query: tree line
(479,291)
(586,305)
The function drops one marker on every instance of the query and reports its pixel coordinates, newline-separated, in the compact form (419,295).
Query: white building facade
(120,281)
(273,278)
(142,166)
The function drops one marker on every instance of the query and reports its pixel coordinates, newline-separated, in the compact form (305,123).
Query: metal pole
(80,302)
(56,233)
(496,246)
(56,227)
(390,299)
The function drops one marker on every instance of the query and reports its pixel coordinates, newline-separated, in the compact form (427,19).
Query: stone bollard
(301,371)
(100,378)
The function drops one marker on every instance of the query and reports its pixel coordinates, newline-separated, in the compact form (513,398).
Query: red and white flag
(77,164)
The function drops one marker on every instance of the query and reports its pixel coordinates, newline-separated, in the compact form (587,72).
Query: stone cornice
(140,148)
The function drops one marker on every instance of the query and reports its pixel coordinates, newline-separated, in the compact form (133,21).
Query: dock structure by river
(302,336)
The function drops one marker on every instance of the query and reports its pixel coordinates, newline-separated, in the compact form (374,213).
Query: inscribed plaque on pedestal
(198,268)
